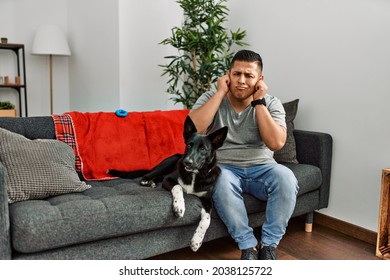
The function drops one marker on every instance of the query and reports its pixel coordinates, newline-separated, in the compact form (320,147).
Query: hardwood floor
(321,244)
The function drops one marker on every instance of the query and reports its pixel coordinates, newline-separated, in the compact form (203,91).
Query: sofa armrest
(315,148)
(5,237)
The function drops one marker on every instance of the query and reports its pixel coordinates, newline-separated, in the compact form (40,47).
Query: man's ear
(218,137)
(189,128)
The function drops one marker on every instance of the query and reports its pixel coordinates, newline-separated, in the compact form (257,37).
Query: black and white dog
(195,173)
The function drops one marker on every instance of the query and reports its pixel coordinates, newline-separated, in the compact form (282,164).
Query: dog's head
(200,149)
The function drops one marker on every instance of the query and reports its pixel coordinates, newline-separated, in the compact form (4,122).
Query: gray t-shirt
(243,145)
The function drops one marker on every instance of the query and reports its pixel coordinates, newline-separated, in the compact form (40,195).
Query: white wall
(94,65)
(142,28)
(333,55)
(19,19)
(116,53)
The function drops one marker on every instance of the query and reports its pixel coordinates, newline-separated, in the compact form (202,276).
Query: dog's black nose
(188,162)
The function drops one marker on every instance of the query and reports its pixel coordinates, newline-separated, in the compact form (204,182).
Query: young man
(257,127)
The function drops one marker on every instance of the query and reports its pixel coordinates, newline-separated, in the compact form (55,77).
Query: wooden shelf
(21,89)
(11,85)
(11,46)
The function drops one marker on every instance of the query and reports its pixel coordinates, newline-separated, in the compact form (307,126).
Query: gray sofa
(119,219)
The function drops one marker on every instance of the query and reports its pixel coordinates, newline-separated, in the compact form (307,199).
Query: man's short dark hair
(248,56)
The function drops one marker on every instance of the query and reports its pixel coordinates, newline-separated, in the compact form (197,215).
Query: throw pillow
(288,153)
(38,168)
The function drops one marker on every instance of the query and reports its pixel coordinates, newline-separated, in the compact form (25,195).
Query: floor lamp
(50,40)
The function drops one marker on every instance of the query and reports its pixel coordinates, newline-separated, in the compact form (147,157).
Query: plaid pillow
(38,168)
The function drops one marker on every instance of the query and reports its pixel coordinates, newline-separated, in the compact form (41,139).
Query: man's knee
(227,185)
(286,179)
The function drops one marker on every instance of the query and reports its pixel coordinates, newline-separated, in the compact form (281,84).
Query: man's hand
(223,84)
(204,115)
(260,90)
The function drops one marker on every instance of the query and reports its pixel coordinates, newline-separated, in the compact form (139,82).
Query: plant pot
(7,113)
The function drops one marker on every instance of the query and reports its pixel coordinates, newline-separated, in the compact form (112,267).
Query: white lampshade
(49,39)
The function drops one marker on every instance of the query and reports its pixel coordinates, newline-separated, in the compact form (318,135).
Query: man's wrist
(260,101)
(221,93)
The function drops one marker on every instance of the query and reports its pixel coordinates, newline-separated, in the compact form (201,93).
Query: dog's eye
(203,148)
(189,145)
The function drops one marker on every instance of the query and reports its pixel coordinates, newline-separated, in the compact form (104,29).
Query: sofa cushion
(309,176)
(109,209)
(288,153)
(37,168)
(115,208)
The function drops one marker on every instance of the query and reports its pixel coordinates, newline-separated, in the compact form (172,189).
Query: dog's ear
(218,136)
(189,128)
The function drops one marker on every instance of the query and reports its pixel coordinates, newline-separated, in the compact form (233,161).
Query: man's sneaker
(267,253)
(249,254)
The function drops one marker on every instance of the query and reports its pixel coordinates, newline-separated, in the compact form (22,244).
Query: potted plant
(7,109)
(204,50)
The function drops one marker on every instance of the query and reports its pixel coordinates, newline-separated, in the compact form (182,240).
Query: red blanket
(138,141)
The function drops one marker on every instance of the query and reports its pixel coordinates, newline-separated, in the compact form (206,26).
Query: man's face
(243,78)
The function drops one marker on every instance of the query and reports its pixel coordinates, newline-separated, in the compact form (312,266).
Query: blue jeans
(273,183)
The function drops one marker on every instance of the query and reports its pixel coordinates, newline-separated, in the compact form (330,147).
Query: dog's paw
(200,231)
(197,239)
(179,207)
(143,182)
(178,201)
(178,210)
(195,243)
(147,183)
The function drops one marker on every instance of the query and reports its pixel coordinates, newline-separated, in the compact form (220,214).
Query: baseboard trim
(345,228)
